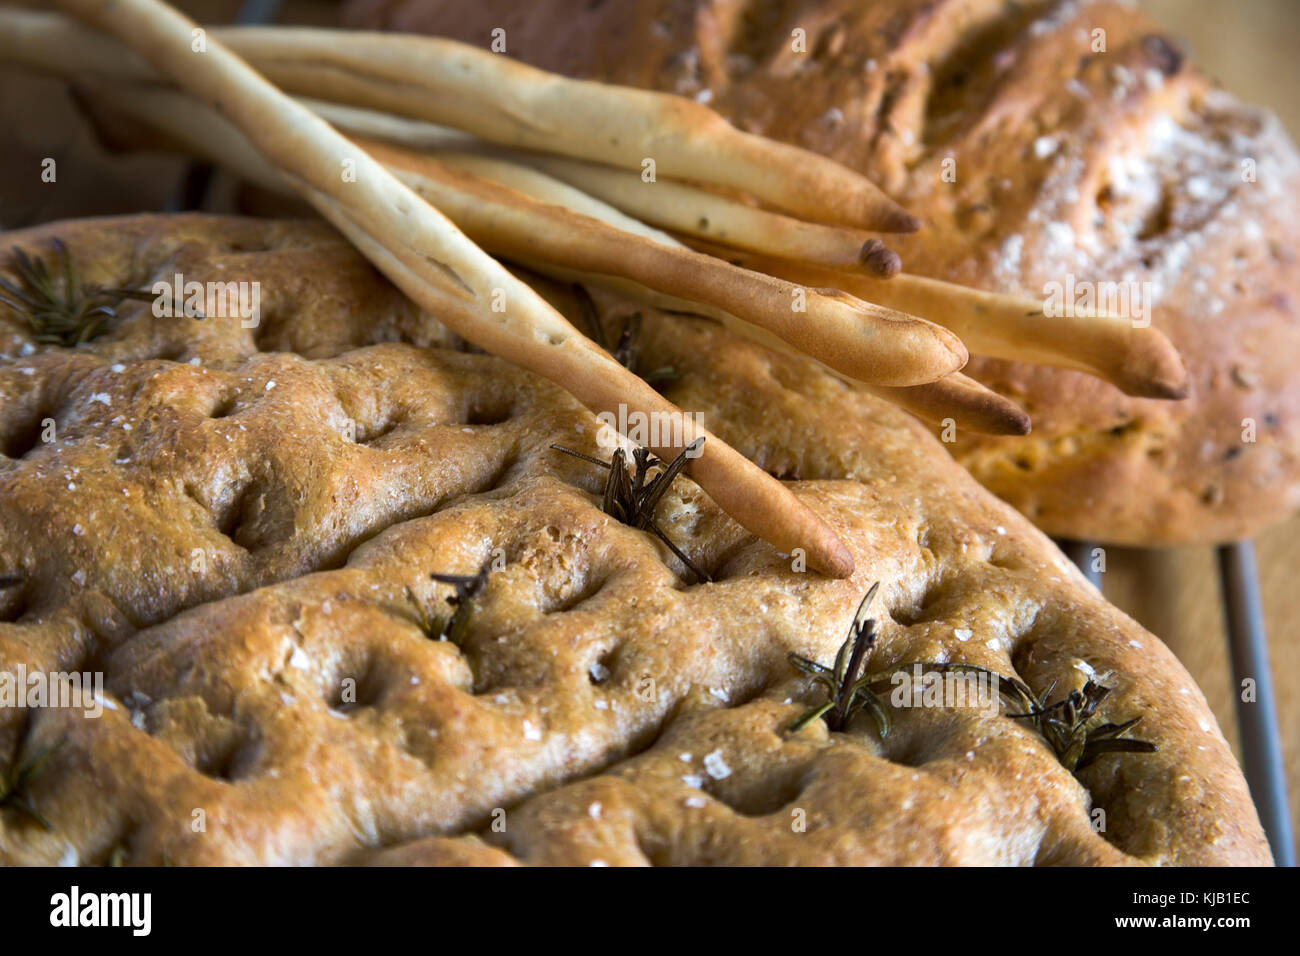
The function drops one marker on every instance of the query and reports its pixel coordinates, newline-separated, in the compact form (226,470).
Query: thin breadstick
(507,102)
(426,256)
(698,212)
(858,339)
(960,400)
(1140,361)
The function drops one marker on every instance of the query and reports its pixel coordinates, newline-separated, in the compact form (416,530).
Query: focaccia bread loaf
(1041,143)
(237,527)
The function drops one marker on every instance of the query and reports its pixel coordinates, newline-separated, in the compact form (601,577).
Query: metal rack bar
(1261,740)
(253,12)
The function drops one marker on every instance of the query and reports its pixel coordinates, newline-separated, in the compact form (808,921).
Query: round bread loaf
(1065,143)
(235,523)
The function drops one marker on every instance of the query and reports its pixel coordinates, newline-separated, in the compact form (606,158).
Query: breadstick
(443,271)
(697,212)
(1138,361)
(961,400)
(506,102)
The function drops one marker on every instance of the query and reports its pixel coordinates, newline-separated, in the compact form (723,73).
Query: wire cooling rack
(1261,740)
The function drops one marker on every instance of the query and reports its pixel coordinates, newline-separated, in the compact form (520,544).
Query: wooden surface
(1249,45)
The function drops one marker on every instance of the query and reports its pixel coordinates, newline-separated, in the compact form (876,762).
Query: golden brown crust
(1116,165)
(240,553)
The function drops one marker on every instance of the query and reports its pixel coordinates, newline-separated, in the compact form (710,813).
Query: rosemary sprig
(14,783)
(626,350)
(468,587)
(847,688)
(58,308)
(632,496)
(1064,724)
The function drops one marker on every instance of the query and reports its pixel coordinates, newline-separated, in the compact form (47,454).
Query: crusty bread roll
(237,526)
(1107,166)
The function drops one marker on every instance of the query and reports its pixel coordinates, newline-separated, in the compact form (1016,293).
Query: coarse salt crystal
(1044,146)
(78,530)
(715,766)
(102,398)
(80,578)
(696,803)
(693,780)
(721,694)
(1001,530)
(270,385)
(593,811)
(963,633)
(531,732)
(598,672)
(117,367)
(685,757)
(299,659)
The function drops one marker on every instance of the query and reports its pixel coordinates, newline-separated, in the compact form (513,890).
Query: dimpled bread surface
(236,526)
